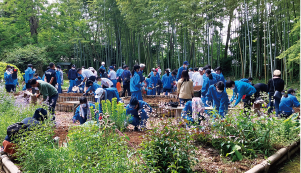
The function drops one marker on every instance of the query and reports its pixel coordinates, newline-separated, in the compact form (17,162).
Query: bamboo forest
(248,38)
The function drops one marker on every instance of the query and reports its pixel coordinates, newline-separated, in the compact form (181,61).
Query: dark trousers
(274,103)
(9,88)
(248,103)
(126,87)
(52,103)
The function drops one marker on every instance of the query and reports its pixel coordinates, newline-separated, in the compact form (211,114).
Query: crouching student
(92,87)
(192,111)
(288,101)
(14,130)
(80,84)
(83,112)
(106,94)
(138,109)
(218,98)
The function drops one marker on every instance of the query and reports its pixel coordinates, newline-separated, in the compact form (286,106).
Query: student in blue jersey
(102,67)
(167,82)
(72,75)
(218,71)
(126,77)
(247,80)
(209,80)
(92,87)
(83,111)
(59,77)
(50,75)
(29,75)
(149,89)
(138,109)
(184,67)
(288,101)
(239,89)
(36,75)
(218,98)
(9,81)
(119,72)
(215,76)
(78,82)
(106,94)
(153,82)
(135,84)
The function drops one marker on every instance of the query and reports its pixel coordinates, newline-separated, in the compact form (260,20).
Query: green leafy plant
(231,149)
(169,149)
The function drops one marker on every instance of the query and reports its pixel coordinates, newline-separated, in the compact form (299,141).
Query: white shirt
(193,78)
(105,81)
(112,75)
(159,71)
(87,73)
(198,81)
(190,74)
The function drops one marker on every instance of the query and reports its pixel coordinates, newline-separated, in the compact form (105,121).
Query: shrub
(169,149)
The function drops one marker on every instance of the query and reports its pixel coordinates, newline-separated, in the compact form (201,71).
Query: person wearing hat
(102,67)
(126,77)
(60,78)
(140,72)
(239,89)
(218,71)
(92,87)
(275,84)
(9,81)
(83,111)
(39,116)
(288,101)
(72,75)
(135,83)
(106,94)
(209,80)
(29,75)
(217,97)
(112,76)
(49,93)
(248,80)
(138,109)
(167,82)
(184,67)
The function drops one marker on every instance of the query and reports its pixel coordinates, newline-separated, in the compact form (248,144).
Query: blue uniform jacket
(206,84)
(287,103)
(58,77)
(141,76)
(216,77)
(153,81)
(72,74)
(8,79)
(93,87)
(244,80)
(242,88)
(119,72)
(152,74)
(28,74)
(111,93)
(81,119)
(180,72)
(134,112)
(135,83)
(125,74)
(102,67)
(39,78)
(167,80)
(222,78)
(219,100)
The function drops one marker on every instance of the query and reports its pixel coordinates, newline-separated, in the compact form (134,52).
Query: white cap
(142,65)
(98,92)
(103,63)
(201,69)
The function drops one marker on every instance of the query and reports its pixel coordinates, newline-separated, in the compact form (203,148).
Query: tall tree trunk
(228,33)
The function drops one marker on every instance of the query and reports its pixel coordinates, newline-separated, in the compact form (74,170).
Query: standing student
(288,101)
(190,73)
(275,84)
(29,75)
(126,77)
(135,84)
(198,77)
(50,75)
(112,76)
(209,80)
(159,70)
(185,88)
(218,71)
(142,66)
(167,82)
(239,89)
(43,78)
(102,67)
(72,75)
(119,72)
(9,81)
(184,67)
(218,98)
(49,93)
(153,82)
(59,77)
